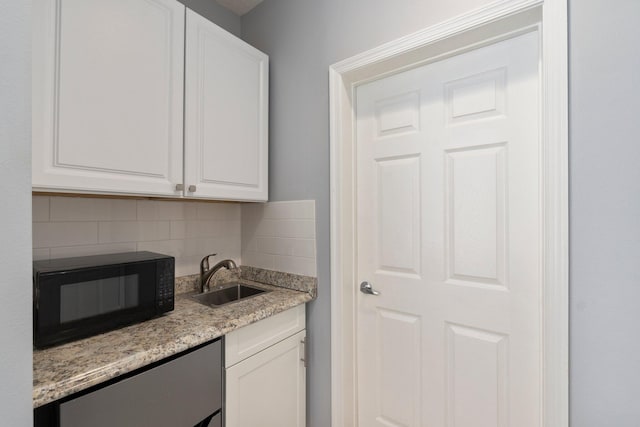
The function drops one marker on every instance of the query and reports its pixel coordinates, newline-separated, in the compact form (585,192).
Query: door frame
(498,20)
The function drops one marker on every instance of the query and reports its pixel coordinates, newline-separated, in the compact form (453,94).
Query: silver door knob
(192,189)
(366,288)
(179,187)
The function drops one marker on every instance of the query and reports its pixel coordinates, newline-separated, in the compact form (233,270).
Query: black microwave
(77,297)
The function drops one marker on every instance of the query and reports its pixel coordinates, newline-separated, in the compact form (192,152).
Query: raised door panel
(225,114)
(108,96)
(268,389)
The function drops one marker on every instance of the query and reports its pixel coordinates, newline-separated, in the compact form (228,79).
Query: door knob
(366,288)
(179,187)
(192,189)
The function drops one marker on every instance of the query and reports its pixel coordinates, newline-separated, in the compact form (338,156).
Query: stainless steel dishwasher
(185,391)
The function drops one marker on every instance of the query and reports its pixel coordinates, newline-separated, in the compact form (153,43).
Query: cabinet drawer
(181,392)
(247,341)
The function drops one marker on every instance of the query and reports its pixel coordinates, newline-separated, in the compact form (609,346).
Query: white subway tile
(302,209)
(259,260)
(71,251)
(250,243)
(154,230)
(249,226)
(178,230)
(276,236)
(133,231)
(40,209)
(267,228)
(191,210)
(213,228)
(209,211)
(206,211)
(204,246)
(50,234)
(146,210)
(274,245)
(224,247)
(86,209)
(252,211)
(229,211)
(41,254)
(295,228)
(197,229)
(166,210)
(208,228)
(160,210)
(280,236)
(304,248)
(230,228)
(186,266)
(175,248)
(295,265)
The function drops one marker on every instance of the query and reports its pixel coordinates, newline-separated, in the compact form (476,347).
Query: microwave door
(96,297)
(82,303)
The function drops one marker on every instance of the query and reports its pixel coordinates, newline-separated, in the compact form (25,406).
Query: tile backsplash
(277,236)
(74,226)
(280,236)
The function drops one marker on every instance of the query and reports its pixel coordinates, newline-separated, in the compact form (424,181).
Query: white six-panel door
(449,232)
(108,96)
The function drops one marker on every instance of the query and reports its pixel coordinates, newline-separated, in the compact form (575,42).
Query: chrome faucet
(206,272)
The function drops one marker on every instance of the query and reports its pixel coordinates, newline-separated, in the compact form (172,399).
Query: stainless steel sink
(230,293)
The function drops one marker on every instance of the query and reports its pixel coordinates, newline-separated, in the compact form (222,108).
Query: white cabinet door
(268,389)
(226,101)
(108,96)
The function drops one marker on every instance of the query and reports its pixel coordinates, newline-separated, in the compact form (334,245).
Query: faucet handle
(205,262)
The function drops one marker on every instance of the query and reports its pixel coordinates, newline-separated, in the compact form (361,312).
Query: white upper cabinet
(108,96)
(226,113)
(109,101)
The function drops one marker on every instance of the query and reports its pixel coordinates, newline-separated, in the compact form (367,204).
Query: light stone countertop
(66,369)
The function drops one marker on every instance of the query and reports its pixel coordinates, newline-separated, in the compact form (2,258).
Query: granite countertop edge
(67,369)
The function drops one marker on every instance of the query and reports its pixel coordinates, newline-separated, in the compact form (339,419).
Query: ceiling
(239,7)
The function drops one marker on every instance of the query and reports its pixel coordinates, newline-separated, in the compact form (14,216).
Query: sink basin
(231,293)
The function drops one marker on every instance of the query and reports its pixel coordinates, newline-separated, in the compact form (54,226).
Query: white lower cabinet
(267,388)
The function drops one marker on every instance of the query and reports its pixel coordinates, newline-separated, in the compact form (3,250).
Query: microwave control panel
(166,279)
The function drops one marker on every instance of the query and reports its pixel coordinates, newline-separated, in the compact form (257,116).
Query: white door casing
(449,233)
(491,22)
(107,119)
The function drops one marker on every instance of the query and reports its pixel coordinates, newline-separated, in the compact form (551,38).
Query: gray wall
(15,214)
(302,39)
(211,10)
(605,212)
